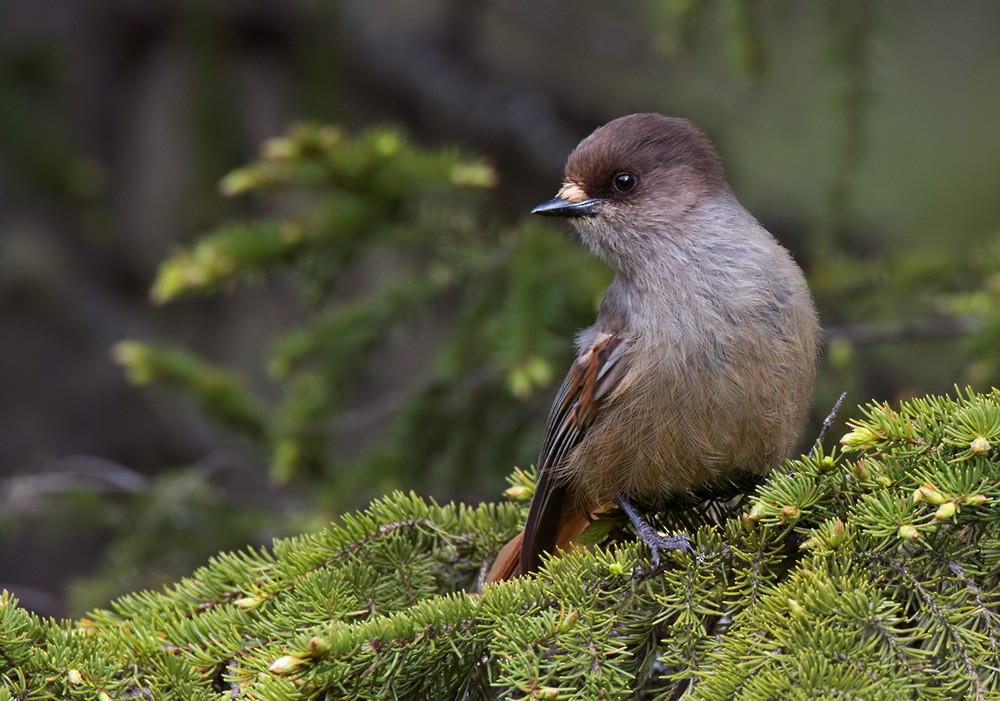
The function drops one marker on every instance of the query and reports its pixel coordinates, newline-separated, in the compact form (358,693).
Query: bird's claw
(659,542)
(656,542)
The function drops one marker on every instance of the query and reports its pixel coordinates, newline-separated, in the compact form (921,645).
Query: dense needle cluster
(870,574)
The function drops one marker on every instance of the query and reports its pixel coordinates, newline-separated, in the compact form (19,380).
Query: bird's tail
(507,564)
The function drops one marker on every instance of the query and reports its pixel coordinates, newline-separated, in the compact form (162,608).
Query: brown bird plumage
(701,363)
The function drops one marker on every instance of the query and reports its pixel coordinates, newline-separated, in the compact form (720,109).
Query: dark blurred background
(863,134)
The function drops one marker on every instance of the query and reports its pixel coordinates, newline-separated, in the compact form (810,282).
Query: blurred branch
(21,494)
(25,494)
(390,402)
(75,473)
(909,330)
(444,84)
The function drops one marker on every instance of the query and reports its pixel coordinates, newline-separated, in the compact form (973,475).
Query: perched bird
(700,367)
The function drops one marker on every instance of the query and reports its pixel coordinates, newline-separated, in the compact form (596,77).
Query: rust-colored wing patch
(590,379)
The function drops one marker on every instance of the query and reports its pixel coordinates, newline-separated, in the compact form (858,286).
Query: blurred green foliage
(30,104)
(341,206)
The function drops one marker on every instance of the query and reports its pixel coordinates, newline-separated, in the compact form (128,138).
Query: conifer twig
(828,421)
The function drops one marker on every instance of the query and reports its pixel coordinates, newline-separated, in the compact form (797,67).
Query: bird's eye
(624,182)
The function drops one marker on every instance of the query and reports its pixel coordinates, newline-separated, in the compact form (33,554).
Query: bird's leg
(654,540)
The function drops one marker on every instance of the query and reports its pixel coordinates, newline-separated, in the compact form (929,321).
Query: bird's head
(635,179)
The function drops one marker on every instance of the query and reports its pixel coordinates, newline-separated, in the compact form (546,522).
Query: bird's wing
(596,371)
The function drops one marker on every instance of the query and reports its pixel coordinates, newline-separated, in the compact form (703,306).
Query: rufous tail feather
(506,565)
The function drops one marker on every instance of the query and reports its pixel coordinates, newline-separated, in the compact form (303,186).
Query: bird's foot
(656,542)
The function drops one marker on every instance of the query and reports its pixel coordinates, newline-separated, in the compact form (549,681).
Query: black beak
(559,207)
